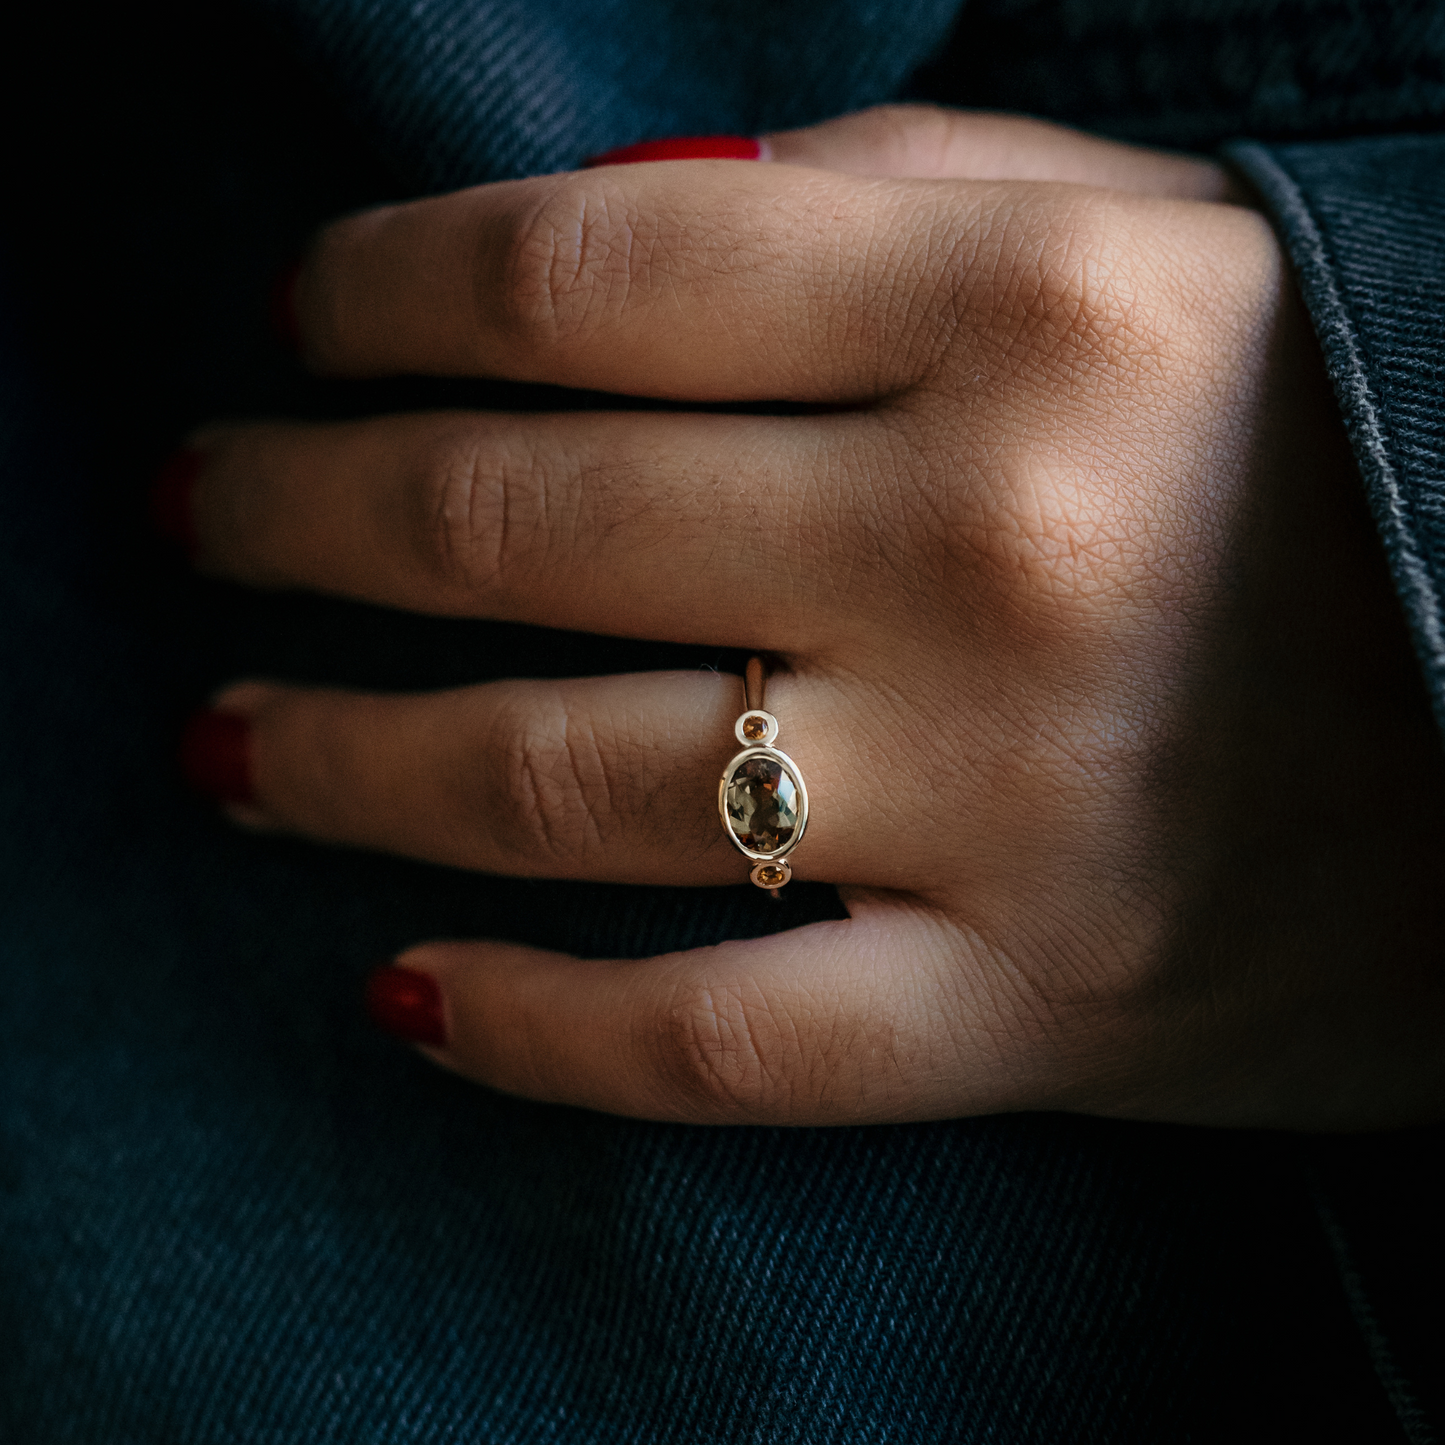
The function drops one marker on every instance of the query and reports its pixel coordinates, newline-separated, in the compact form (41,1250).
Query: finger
(613,779)
(877,1019)
(664,526)
(931,142)
(718,280)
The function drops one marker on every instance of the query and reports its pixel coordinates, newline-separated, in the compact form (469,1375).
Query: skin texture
(1084,644)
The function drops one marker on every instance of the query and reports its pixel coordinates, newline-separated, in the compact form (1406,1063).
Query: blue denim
(1364,223)
(230,1210)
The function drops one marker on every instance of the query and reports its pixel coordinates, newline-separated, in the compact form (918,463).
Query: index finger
(700,281)
(940,142)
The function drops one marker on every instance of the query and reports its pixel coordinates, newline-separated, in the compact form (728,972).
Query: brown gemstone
(772,875)
(762,802)
(755,728)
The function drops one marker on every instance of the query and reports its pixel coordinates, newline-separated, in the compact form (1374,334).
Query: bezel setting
(762,750)
(781,866)
(764,739)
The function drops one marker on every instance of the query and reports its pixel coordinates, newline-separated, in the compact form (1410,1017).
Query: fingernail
(682,148)
(408,1004)
(172,496)
(216,755)
(282,307)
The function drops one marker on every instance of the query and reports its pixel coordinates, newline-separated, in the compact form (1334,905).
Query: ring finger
(611,779)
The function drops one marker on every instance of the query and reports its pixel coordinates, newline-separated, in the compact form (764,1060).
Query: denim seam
(1339,339)
(1383,1361)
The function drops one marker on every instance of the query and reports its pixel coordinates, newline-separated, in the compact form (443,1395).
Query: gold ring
(762,797)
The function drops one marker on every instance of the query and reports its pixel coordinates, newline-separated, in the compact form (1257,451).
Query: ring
(762,798)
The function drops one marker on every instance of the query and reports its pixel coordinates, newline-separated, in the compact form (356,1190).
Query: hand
(1114,743)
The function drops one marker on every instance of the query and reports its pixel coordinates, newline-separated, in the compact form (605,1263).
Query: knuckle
(478,505)
(1069,538)
(1085,334)
(1075,302)
(905,138)
(1088,314)
(458,502)
(1066,559)
(550,786)
(726,1050)
(927,137)
(566,265)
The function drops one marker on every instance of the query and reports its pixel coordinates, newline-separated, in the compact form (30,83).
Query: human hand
(1115,749)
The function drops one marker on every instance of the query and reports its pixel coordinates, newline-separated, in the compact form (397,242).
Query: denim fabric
(1198,72)
(231,1211)
(462,93)
(1364,223)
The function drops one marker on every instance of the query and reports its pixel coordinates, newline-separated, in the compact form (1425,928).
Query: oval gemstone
(762,804)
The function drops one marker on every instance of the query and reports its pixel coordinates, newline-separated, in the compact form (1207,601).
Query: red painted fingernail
(282,306)
(216,755)
(682,148)
(172,494)
(408,1004)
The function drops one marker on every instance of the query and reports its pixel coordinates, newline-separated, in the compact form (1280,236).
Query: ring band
(762,798)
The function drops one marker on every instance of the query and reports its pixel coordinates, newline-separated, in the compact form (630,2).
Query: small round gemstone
(762,802)
(772,875)
(755,728)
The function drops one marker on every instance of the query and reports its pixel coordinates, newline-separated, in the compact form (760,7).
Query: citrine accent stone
(762,801)
(772,875)
(755,728)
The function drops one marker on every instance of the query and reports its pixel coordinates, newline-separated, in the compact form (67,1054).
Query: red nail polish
(682,148)
(172,494)
(407,1003)
(216,755)
(282,306)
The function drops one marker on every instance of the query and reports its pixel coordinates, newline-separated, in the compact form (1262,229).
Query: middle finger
(673,527)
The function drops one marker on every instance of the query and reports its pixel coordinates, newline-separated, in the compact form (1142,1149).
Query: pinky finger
(859,1021)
